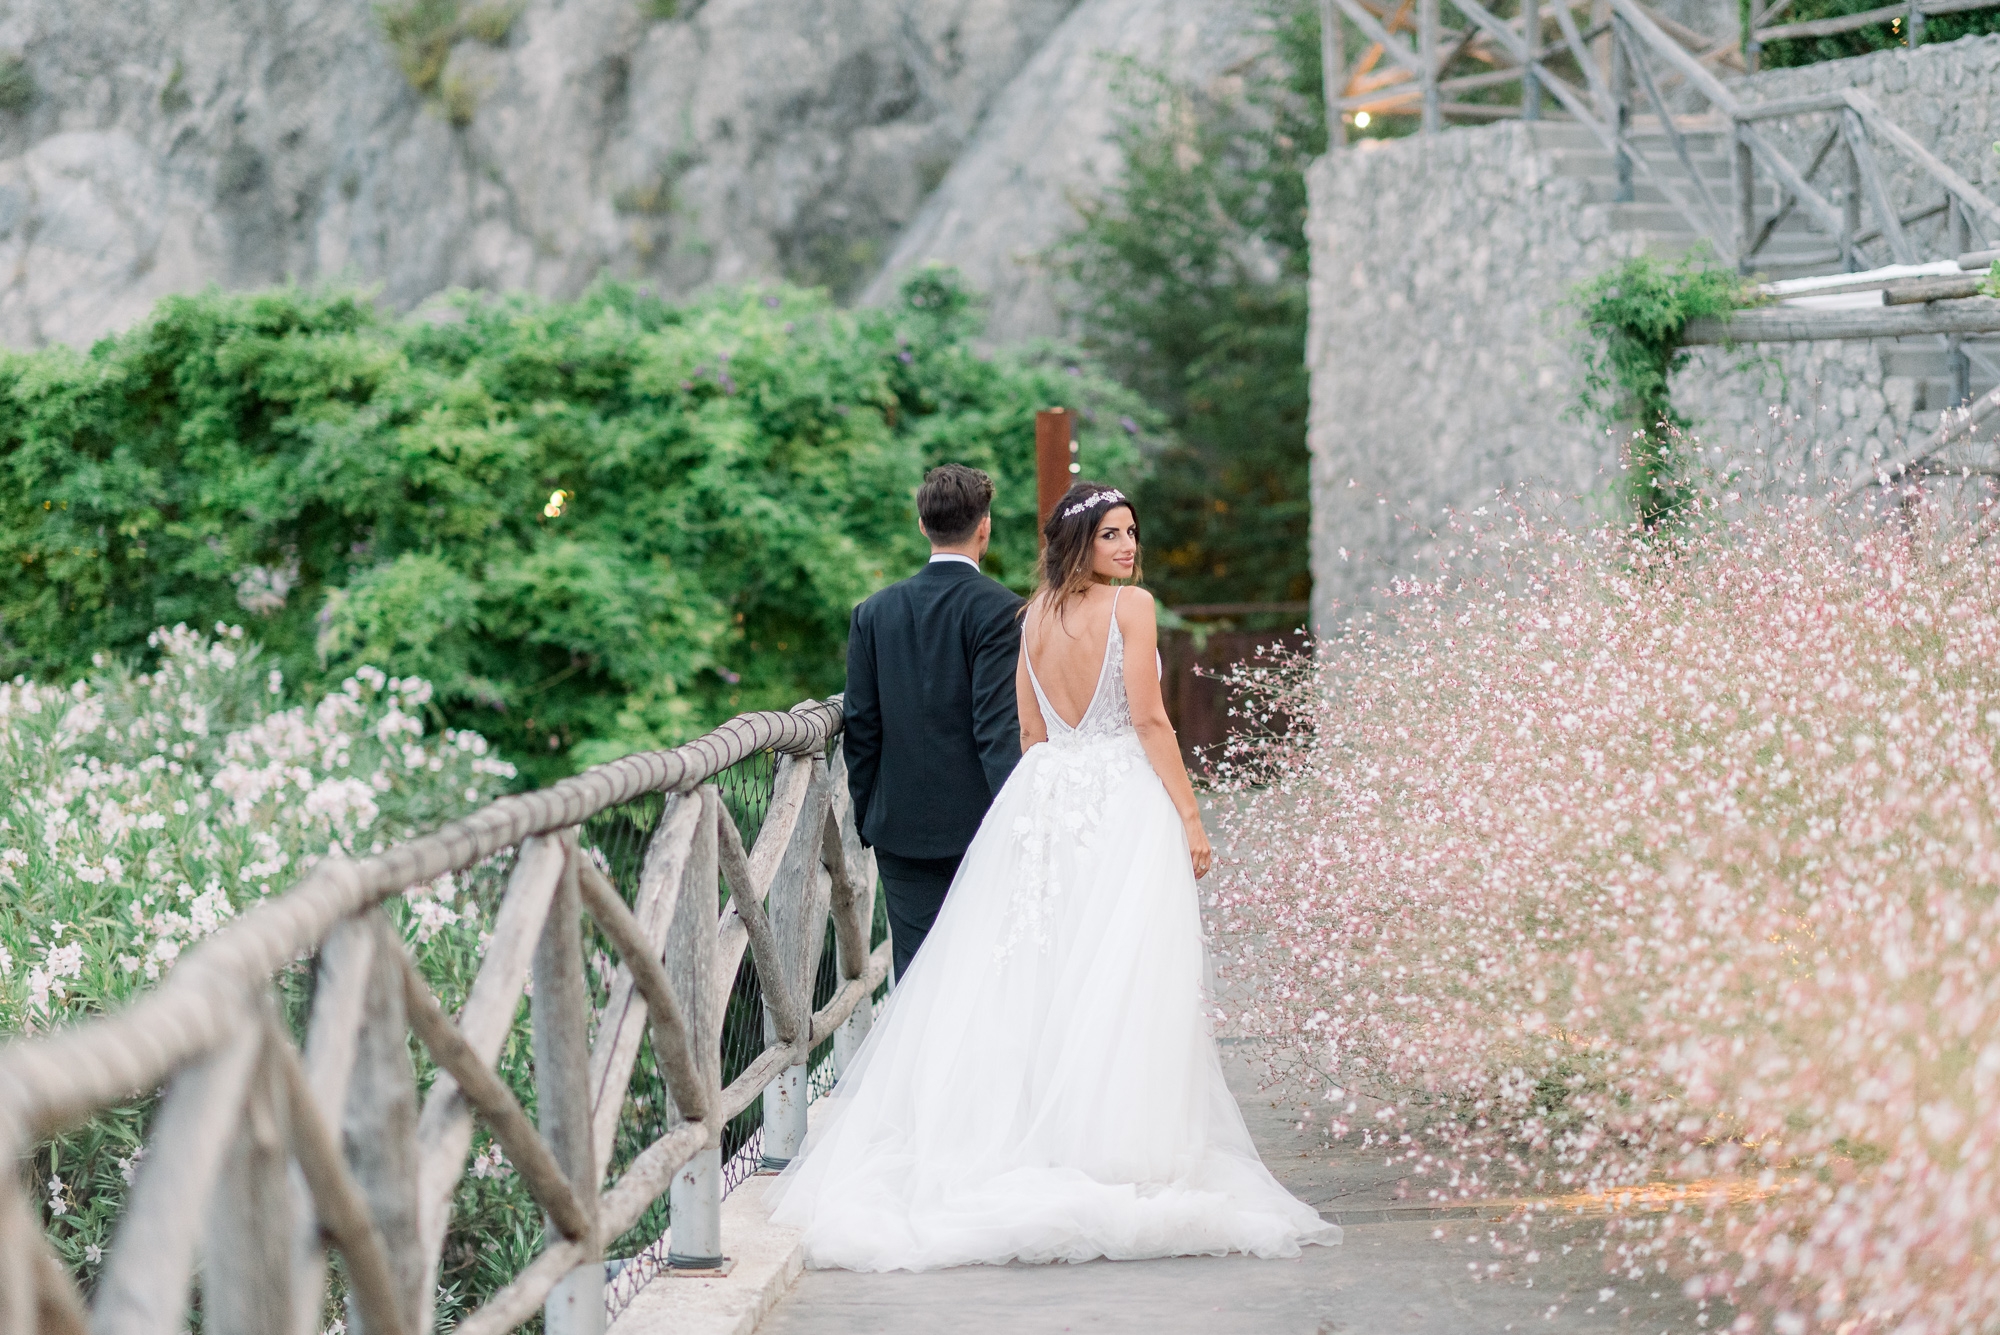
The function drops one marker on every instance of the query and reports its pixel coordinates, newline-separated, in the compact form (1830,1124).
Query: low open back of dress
(1111,669)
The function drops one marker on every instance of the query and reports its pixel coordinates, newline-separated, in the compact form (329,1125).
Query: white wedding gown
(1043,1085)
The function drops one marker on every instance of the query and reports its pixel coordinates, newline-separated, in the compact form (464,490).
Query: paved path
(1391,1275)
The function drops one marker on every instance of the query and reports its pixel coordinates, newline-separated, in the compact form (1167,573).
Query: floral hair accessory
(1093,499)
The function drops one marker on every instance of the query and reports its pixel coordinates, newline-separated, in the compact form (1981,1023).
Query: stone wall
(1442,351)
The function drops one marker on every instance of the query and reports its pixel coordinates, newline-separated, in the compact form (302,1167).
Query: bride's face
(1116,546)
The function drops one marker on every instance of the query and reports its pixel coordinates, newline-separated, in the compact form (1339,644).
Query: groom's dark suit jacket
(931,730)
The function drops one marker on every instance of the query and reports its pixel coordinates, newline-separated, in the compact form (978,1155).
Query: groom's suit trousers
(914,889)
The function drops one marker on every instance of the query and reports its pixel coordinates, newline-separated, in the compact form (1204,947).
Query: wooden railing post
(1427,57)
(1746,197)
(560,1009)
(1333,72)
(1531,83)
(18,1230)
(445,1129)
(696,1194)
(1850,204)
(379,1125)
(853,908)
(143,1287)
(662,878)
(247,1260)
(800,893)
(1621,111)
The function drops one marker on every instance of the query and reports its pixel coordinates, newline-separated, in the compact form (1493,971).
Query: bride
(1042,1085)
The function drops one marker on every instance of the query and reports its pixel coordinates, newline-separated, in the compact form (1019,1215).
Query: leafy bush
(1630,345)
(140,812)
(1615,870)
(594,526)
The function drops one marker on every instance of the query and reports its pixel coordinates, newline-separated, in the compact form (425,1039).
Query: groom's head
(954,509)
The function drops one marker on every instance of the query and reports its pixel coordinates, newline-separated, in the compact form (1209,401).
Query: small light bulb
(1361,119)
(1076,468)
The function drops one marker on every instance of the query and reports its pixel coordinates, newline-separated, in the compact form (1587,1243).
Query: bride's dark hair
(1069,535)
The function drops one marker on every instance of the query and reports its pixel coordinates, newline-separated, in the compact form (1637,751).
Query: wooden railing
(260,1156)
(1505,66)
(1637,66)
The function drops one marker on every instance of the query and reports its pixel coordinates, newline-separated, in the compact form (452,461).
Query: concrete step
(1571,134)
(1604,190)
(1643,217)
(1582,162)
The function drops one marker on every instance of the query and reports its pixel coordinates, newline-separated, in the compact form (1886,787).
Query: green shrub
(1630,345)
(595,526)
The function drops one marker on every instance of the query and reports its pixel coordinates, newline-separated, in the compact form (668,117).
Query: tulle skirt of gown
(1044,1085)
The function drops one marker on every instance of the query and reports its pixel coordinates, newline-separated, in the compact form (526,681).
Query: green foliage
(1875,37)
(595,525)
(17,84)
(1629,342)
(1190,274)
(1991,285)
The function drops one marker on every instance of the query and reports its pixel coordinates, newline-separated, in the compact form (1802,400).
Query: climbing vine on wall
(1629,340)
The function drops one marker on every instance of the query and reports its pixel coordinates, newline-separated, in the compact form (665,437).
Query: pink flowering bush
(1664,871)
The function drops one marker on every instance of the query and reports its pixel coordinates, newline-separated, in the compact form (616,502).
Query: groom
(931,731)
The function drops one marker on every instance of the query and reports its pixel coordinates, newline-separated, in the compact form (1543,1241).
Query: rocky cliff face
(153,146)
(1047,142)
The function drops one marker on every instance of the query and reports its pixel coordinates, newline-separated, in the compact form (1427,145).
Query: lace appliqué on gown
(1083,765)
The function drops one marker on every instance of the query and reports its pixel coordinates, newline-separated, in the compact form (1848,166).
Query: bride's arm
(1033,727)
(1149,717)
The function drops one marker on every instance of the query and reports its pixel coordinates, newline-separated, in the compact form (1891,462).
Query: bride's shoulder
(1136,607)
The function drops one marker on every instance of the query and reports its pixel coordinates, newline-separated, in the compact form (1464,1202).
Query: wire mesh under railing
(743,1138)
(641,1254)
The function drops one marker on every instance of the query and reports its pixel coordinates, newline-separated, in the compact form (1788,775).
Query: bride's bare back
(1068,650)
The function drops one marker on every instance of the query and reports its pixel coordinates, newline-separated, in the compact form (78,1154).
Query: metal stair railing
(267,1154)
(1419,79)
(1630,64)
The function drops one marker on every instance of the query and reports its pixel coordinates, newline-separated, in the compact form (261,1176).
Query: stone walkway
(1401,1269)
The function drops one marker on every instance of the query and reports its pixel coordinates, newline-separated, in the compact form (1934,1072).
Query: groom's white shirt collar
(953,556)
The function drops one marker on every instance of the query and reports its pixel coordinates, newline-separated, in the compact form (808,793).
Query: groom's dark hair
(952,501)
